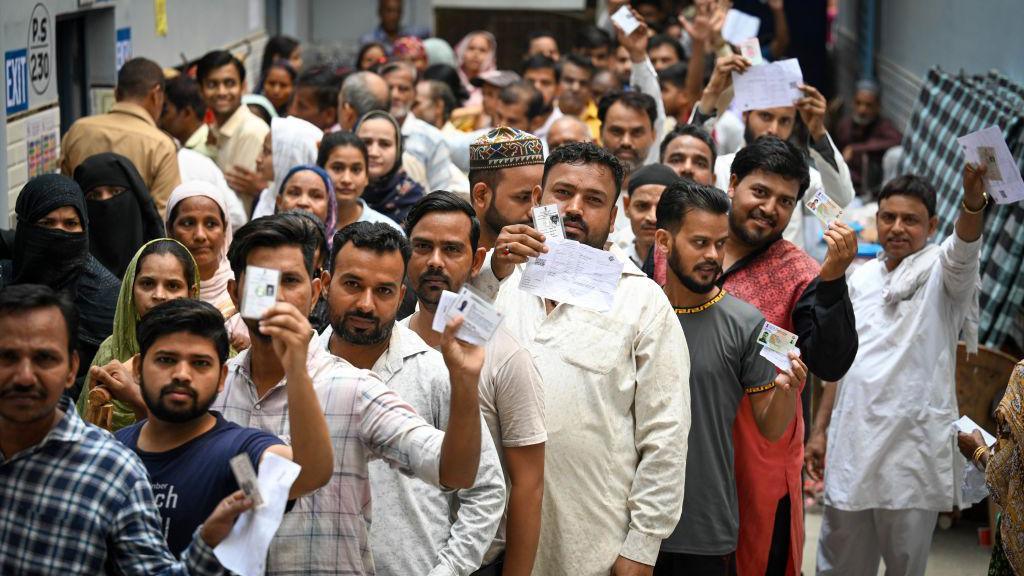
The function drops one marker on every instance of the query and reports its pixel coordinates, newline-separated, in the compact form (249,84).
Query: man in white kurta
(889,463)
(616,387)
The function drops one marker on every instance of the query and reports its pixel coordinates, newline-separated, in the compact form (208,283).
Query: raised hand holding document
(771,85)
(575,274)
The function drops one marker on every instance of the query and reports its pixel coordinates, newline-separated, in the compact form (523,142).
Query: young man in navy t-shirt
(184,446)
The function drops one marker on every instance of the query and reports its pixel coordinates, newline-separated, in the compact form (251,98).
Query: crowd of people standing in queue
(652,438)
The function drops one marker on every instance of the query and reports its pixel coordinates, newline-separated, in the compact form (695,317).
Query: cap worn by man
(505,147)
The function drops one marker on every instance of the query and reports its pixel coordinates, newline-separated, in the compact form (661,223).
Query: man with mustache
(74,500)
(722,330)
(865,136)
(616,385)
(185,447)
(444,234)
(417,528)
(891,425)
(505,166)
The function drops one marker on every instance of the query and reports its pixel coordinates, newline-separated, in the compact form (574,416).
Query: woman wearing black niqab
(51,247)
(122,214)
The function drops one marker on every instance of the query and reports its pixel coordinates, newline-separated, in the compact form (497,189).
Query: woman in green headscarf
(162,270)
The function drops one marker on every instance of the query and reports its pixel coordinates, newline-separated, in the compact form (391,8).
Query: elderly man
(865,136)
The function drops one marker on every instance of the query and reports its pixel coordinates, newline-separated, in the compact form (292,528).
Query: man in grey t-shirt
(721,331)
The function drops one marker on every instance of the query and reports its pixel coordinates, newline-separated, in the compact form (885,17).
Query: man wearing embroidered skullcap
(505,170)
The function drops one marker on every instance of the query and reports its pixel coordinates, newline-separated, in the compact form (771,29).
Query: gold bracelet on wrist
(963,204)
(978,452)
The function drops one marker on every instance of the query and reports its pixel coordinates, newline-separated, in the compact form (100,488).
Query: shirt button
(257,406)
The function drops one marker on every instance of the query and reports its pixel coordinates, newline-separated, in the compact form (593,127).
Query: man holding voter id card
(615,367)
(890,459)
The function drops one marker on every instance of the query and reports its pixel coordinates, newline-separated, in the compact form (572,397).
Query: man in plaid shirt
(74,499)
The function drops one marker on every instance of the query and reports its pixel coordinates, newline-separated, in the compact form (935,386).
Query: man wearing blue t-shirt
(184,446)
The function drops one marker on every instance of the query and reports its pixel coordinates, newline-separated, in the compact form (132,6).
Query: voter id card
(751,50)
(245,476)
(259,292)
(776,344)
(480,320)
(548,221)
(624,19)
(824,208)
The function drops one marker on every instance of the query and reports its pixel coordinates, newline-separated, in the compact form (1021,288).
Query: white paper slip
(245,476)
(824,207)
(625,20)
(771,85)
(751,50)
(441,314)
(739,26)
(479,318)
(966,425)
(776,344)
(244,551)
(575,274)
(259,291)
(1003,181)
(548,221)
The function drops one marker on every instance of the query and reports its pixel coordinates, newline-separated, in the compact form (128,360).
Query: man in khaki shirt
(238,133)
(129,129)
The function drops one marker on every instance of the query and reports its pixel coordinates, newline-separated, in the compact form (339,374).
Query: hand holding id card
(548,221)
(480,319)
(245,476)
(776,344)
(824,207)
(259,292)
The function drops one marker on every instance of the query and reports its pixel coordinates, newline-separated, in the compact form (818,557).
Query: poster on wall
(123,47)
(42,142)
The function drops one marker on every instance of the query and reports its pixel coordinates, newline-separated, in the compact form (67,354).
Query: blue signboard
(123,46)
(16,80)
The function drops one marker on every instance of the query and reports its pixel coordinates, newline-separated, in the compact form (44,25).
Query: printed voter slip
(824,207)
(776,344)
(260,291)
(479,318)
(1003,180)
(548,221)
(625,20)
(245,476)
(751,50)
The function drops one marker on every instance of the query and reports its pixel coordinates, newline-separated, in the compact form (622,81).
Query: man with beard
(444,234)
(326,532)
(421,140)
(616,385)
(505,168)
(722,330)
(865,136)
(417,528)
(829,171)
(185,447)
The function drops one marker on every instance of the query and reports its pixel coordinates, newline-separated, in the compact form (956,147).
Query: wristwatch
(963,204)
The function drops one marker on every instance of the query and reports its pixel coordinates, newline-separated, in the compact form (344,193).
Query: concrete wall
(29,142)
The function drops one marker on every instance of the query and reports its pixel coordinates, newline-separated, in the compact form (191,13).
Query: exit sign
(16,79)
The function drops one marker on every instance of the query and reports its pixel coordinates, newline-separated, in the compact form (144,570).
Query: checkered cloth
(948,107)
(79,502)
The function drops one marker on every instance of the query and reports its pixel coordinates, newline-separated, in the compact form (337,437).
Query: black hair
(277,48)
(273,232)
(666,40)
(579,153)
(633,100)
(688,130)
(215,59)
(776,156)
(440,91)
(137,77)
(913,186)
(180,253)
(325,83)
(363,50)
(21,298)
(684,195)
(399,65)
(173,216)
(450,76)
(577,60)
(283,65)
(445,202)
(674,75)
(523,91)
(317,228)
(593,37)
(539,34)
(183,92)
(542,62)
(491,177)
(376,236)
(337,140)
(183,316)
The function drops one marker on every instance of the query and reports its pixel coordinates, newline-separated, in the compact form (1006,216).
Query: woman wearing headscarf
(411,50)
(1004,474)
(292,142)
(162,270)
(308,187)
(122,214)
(51,247)
(196,218)
(476,54)
(391,191)
(370,56)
